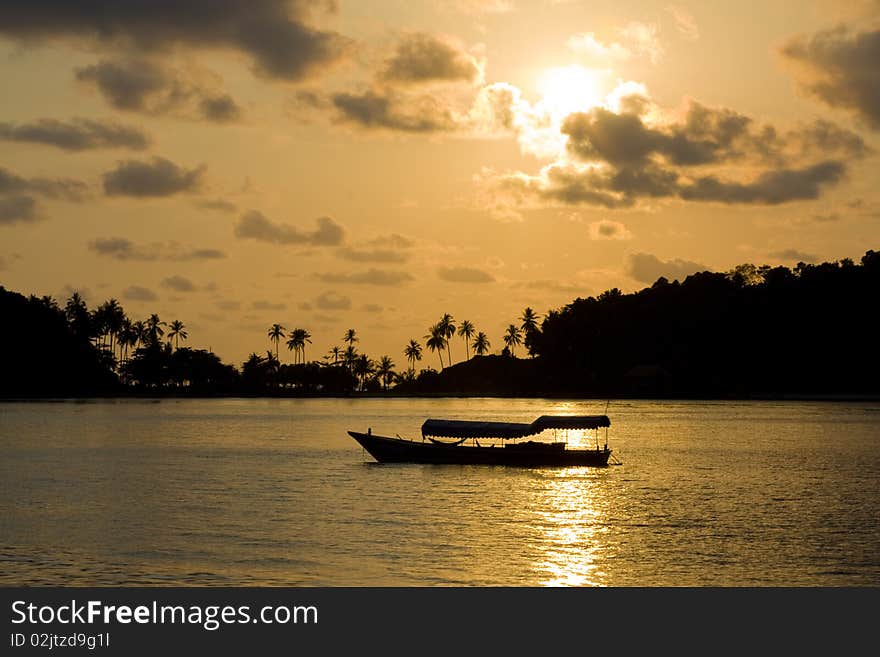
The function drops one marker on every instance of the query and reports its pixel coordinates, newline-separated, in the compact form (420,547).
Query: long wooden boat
(502,443)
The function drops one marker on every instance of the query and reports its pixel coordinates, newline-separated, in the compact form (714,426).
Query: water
(273,492)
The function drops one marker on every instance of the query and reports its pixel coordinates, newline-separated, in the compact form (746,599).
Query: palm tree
(466,331)
(363,367)
(481,344)
(385,370)
(529,326)
(349,356)
(154,329)
(512,338)
(77,314)
(139,328)
(529,320)
(176,331)
(306,338)
(275,333)
(350,337)
(447,325)
(413,352)
(336,352)
(294,344)
(436,341)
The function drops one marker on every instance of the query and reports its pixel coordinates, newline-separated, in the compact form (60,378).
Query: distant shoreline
(830,397)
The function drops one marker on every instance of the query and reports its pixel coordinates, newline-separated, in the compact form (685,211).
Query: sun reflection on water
(571,519)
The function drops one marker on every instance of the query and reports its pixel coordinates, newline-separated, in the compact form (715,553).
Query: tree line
(752,330)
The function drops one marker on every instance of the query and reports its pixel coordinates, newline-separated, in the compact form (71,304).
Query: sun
(568,89)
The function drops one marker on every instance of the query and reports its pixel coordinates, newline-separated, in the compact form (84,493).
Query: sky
(373,165)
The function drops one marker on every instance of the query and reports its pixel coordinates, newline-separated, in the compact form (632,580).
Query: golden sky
(375,164)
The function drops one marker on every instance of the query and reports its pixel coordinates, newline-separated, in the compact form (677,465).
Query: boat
(470,442)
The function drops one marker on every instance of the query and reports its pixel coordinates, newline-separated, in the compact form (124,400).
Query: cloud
(605,229)
(179,284)
(332,301)
(645,39)
(840,68)
(221,108)
(372,308)
(219,205)
(390,110)
(255,225)
(149,87)
(262,304)
(159,177)
(587,44)
(685,22)
(369,277)
(76,134)
(647,268)
(423,57)
(372,255)
(550,284)
(383,249)
(771,188)
(613,159)
(17,208)
(793,255)
(124,249)
(227,304)
(138,293)
(274,33)
(65,189)
(826,218)
(464,275)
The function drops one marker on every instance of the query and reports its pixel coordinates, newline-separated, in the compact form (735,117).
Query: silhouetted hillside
(41,354)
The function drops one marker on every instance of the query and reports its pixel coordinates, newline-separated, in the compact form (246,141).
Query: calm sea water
(274,492)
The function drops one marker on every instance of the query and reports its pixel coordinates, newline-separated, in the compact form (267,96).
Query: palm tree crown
(436,341)
(466,330)
(512,338)
(481,344)
(275,333)
(177,331)
(447,327)
(413,352)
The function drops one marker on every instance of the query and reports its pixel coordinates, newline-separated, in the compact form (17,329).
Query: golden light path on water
(573,527)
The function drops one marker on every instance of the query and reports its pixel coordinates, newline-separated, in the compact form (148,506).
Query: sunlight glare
(568,89)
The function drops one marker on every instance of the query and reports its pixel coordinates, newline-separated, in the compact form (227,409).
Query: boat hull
(530,454)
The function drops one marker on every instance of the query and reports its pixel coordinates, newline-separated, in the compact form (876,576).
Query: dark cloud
(388,110)
(392,241)
(425,58)
(76,134)
(705,136)
(647,268)
(771,187)
(332,301)
(124,249)
(17,208)
(179,284)
(222,108)
(64,189)
(274,33)
(138,293)
(159,177)
(372,308)
(793,255)
(267,305)
(218,204)
(369,277)
(464,275)
(841,69)
(149,87)
(254,225)
(624,160)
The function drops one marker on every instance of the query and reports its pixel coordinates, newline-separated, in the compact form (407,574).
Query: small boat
(467,442)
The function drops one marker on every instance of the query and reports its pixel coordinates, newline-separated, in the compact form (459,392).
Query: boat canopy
(511,430)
